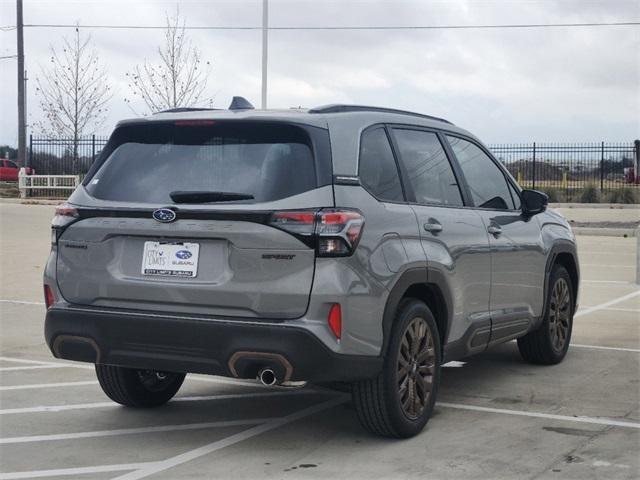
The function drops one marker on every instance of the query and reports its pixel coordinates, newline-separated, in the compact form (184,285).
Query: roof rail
(339,108)
(185,109)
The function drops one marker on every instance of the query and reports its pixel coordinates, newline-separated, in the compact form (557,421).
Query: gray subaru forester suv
(350,244)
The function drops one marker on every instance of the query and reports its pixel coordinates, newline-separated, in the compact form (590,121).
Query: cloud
(504,85)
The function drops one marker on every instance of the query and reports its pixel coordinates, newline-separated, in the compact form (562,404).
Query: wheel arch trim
(421,277)
(561,247)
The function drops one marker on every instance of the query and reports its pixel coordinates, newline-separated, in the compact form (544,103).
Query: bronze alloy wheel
(559,314)
(416,367)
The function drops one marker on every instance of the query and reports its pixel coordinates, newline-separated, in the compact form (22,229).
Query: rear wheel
(399,401)
(548,344)
(138,388)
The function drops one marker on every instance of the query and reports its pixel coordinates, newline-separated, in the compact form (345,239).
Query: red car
(9,171)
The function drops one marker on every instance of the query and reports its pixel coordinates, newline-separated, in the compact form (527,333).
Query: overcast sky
(560,84)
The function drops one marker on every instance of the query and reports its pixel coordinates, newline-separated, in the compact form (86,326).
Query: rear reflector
(49,299)
(335,320)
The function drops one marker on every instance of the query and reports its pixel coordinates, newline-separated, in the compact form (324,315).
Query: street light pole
(22,133)
(265,50)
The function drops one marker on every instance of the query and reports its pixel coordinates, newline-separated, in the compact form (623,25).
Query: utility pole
(22,133)
(265,50)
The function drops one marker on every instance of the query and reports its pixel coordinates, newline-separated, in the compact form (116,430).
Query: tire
(138,388)
(548,344)
(384,404)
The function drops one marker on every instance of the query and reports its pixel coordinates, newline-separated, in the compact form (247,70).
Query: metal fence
(604,165)
(64,156)
(563,170)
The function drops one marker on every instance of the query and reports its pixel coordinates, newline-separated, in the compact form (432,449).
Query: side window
(378,169)
(515,197)
(427,167)
(488,185)
(11,164)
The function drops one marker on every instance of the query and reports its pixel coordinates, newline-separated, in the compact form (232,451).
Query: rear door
(454,238)
(217,257)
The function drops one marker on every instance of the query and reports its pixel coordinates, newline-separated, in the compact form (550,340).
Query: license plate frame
(170,259)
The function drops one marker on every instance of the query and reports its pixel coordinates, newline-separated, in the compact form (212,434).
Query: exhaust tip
(267,377)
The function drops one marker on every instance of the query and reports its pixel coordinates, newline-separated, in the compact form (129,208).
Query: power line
(5,57)
(353,27)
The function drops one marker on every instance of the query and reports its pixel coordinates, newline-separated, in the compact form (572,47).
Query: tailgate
(244,269)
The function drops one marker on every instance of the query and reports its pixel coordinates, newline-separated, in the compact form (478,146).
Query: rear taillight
(66,210)
(338,232)
(300,223)
(49,299)
(332,232)
(65,215)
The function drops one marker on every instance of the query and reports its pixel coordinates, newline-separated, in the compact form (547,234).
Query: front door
(517,251)
(454,238)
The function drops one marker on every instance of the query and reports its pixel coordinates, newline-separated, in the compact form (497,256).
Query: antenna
(240,103)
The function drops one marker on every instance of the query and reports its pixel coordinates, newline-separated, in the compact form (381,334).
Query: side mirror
(533,202)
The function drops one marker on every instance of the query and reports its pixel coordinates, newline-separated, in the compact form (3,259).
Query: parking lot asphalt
(497,417)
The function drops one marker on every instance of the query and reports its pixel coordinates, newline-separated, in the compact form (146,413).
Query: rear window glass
(145,163)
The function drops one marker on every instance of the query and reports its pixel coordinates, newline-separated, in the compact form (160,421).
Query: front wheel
(548,344)
(138,388)
(399,401)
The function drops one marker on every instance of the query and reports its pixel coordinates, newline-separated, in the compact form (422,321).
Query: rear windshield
(145,163)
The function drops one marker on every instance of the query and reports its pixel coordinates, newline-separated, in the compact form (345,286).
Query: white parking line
(606,304)
(614,309)
(48,385)
(606,253)
(609,265)
(63,472)
(568,418)
(619,282)
(203,398)
(231,440)
(133,431)
(598,347)
(225,381)
(24,360)
(22,302)
(148,468)
(31,367)
(196,377)
(43,363)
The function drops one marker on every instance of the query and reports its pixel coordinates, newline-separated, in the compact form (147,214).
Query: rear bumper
(197,345)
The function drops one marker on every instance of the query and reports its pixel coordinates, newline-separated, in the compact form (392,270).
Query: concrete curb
(596,205)
(31,201)
(605,232)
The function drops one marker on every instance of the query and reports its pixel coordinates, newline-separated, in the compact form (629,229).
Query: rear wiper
(206,197)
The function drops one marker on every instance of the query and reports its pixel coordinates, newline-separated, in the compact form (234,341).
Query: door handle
(494,230)
(432,227)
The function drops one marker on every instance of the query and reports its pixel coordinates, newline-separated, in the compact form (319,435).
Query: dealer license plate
(170,259)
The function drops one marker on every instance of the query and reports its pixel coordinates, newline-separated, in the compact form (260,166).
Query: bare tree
(179,79)
(73,91)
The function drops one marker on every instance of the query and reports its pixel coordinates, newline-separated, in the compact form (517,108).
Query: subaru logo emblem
(164,215)
(183,254)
